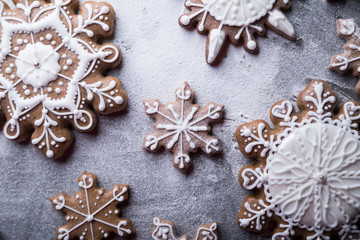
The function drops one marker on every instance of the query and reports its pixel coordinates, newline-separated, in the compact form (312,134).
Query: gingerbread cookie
(350,59)
(240,21)
(307,171)
(181,127)
(51,70)
(165,230)
(92,213)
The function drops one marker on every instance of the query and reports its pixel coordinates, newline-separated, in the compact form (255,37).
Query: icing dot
(12,76)
(64,55)
(251,45)
(49,154)
(26,41)
(185,20)
(8,70)
(61,83)
(69,62)
(53,43)
(49,89)
(27,92)
(65,68)
(48,36)
(57,90)
(19,41)
(41,38)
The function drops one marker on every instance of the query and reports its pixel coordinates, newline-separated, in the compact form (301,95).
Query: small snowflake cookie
(181,127)
(51,70)
(165,230)
(350,59)
(308,170)
(238,20)
(92,213)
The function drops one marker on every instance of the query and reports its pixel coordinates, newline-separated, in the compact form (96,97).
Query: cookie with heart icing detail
(307,172)
(237,20)
(51,70)
(165,230)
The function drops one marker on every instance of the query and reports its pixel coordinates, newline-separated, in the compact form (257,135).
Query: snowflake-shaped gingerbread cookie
(92,213)
(350,59)
(50,70)
(165,230)
(181,127)
(308,170)
(239,20)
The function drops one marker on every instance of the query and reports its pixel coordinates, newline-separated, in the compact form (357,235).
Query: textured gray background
(158,55)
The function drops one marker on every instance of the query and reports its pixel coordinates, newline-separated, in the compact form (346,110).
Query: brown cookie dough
(92,213)
(51,70)
(349,60)
(307,173)
(165,230)
(181,127)
(240,21)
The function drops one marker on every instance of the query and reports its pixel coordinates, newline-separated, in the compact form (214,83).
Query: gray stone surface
(158,56)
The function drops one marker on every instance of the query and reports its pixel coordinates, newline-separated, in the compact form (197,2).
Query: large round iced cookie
(308,168)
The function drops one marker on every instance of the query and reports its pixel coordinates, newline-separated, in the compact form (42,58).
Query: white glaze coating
(240,14)
(38,66)
(312,172)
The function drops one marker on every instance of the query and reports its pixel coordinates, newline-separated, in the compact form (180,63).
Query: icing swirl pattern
(50,70)
(308,168)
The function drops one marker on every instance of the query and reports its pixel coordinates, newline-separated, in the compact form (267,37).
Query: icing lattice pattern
(50,67)
(308,168)
(237,19)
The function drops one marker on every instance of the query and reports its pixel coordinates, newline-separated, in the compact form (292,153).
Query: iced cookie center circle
(238,12)
(37,65)
(314,176)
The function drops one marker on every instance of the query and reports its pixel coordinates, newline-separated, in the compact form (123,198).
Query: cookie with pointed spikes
(349,60)
(181,127)
(307,171)
(51,68)
(165,230)
(92,213)
(238,20)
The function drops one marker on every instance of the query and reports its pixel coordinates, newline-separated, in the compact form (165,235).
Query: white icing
(241,14)
(38,64)
(312,172)
(278,20)
(315,175)
(238,12)
(165,231)
(92,216)
(345,62)
(216,40)
(183,127)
